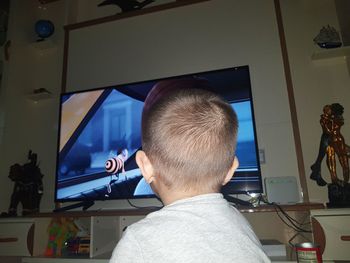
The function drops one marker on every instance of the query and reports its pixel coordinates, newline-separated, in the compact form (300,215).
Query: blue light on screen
(245,151)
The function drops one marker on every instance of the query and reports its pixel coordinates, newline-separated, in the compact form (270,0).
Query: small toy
(28,188)
(328,37)
(44,29)
(78,246)
(60,230)
(113,166)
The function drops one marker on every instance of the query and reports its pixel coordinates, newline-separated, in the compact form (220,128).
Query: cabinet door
(104,236)
(333,234)
(16,238)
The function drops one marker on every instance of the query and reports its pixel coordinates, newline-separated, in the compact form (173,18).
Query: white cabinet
(331,230)
(16,237)
(28,237)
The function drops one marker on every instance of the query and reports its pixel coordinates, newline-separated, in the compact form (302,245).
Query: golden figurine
(337,145)
(324,143)
(332,144)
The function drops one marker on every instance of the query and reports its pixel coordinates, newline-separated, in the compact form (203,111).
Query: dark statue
(332,146)
(127,5)
(28,188)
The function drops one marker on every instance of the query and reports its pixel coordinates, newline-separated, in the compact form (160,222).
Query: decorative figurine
(127,5)
(333,144)
(44,29)
(328,37)
(28,188)
(4,17)
(324,143)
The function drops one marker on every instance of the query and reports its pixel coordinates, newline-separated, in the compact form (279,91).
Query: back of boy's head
(189,134)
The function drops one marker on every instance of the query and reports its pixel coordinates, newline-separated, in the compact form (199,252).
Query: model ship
(328,38)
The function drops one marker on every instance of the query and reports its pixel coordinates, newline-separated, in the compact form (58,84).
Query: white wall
(200,37)
(205,36)
(28,125)
(315,84)
(236,33)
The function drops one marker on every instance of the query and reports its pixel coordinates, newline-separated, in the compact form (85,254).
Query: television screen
(103,124)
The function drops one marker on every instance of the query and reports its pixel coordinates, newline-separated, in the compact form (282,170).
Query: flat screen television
(95,125)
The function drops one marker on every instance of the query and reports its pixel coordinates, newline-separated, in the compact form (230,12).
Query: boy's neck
(170,197)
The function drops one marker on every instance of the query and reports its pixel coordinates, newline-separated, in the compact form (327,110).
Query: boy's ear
(145,166)
(232,170)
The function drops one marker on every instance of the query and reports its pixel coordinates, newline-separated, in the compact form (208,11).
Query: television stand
(105,228)
(85,204)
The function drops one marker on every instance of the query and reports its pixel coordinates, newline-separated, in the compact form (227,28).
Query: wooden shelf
(145,211)
(302,207)
(116,212)
(138,12)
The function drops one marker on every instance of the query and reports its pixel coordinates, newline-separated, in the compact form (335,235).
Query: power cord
(292,222)
(144,207)
(236,201)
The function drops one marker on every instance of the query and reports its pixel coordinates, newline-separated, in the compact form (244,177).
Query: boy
(188,140)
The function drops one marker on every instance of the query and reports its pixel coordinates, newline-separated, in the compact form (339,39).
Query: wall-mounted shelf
(39,95)
(44,46)
(340,52)
(43,2)
(332,55)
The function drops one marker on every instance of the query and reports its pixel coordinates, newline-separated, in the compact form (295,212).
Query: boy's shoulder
(200,224)
(211,210)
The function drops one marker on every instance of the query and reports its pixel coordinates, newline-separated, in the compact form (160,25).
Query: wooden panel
(292,105)
(133,13)
(318,233)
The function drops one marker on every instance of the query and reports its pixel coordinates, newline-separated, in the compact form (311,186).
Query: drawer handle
(8,239)
(345,238)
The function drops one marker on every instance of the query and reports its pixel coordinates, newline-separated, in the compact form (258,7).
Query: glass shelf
(340,52)
(36,97)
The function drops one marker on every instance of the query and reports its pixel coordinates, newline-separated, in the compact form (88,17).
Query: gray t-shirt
(204,228)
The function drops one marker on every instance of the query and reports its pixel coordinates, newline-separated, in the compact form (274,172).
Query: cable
(143,207)
(293,223)
(236,201)
(288,217)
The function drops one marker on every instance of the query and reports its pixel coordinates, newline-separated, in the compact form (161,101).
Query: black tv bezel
(85,121)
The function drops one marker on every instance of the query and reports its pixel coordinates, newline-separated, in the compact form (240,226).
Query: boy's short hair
(189,134)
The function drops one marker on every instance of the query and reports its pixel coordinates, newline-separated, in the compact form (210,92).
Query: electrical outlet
(262,156)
